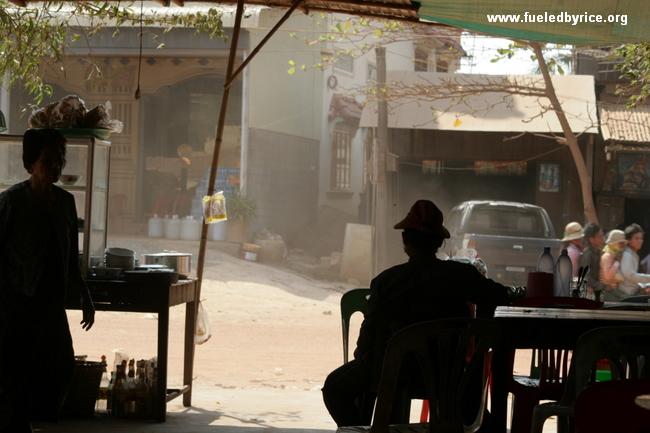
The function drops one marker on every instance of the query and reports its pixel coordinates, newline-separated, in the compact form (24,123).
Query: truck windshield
(507,221)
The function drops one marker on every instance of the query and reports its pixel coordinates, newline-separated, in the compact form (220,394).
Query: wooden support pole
(381,213)
(218,139)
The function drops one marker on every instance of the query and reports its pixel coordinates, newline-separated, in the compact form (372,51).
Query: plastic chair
(357,300)
(352,301)
(455,386)
(626,348)
(609,407)
(548,368)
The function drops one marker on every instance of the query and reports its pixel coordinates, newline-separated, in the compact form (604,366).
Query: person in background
(610,261)
(644,265)
(424,288)
(630,265)
(594,240)
(573,243)
(39,267)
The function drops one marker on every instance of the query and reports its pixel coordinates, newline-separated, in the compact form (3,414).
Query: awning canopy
(389,9)
(620,123)
(493,111)
(515,18)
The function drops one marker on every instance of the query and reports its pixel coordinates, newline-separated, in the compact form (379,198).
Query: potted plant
(240,211)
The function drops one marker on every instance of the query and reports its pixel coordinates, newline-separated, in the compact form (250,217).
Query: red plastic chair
(548,369)
(608,407)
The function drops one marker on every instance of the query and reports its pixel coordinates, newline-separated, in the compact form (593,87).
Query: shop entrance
(638,211)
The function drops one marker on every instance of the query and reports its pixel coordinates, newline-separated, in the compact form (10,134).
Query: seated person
(610,261)
(424,288)
(630,266)
(594,243)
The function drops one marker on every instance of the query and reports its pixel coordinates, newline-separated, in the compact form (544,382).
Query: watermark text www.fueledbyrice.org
(562,17)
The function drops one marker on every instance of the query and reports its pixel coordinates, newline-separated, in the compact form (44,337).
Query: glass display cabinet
(85,175)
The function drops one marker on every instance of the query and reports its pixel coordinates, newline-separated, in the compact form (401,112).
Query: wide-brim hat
(615,236)
(424,216)
(572,232)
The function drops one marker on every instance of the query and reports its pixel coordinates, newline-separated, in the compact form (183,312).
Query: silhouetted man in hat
(424,288)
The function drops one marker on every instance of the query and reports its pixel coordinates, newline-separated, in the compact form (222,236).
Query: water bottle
(563,275)
(155,227)
(545,263)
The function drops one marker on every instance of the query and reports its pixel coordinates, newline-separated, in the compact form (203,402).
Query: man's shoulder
(391,272)
(441,267)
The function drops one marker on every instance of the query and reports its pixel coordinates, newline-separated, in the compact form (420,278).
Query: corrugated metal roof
(619,123)
(490,110)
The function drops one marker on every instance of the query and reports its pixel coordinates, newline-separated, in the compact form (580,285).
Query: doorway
(638,211)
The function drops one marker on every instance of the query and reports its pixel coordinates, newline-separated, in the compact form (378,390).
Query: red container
(539,284)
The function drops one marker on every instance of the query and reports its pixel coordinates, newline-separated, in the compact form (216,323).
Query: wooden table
(152,297)
(551,328)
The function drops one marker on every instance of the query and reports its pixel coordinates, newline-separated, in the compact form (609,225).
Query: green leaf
(291,70)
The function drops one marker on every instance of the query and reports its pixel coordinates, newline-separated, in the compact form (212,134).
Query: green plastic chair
(352,301)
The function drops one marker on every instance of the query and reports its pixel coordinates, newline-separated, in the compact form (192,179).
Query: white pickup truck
(508,236)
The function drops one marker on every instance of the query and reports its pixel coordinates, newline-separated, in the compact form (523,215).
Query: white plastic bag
(202,331)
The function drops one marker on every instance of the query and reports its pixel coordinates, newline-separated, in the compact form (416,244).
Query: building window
(341,159)
(345,63)
(421,60)
(371,72)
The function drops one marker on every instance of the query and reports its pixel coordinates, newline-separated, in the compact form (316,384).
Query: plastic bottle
(563,274)
(173,227)
(155,227)
(190,229)
(218,231)
(546,263)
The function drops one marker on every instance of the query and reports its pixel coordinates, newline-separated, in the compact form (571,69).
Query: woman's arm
(629,269)
(75,280)
(608,269)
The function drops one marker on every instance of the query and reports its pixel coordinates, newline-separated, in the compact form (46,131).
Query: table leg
(188,363)
(163,343)
(501,371)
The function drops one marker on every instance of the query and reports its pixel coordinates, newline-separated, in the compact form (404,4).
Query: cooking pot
(179,262)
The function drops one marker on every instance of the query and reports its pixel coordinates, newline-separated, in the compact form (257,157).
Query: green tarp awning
(499,18)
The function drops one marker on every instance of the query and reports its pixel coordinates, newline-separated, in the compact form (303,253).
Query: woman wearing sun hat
(610,261)
(573,237)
